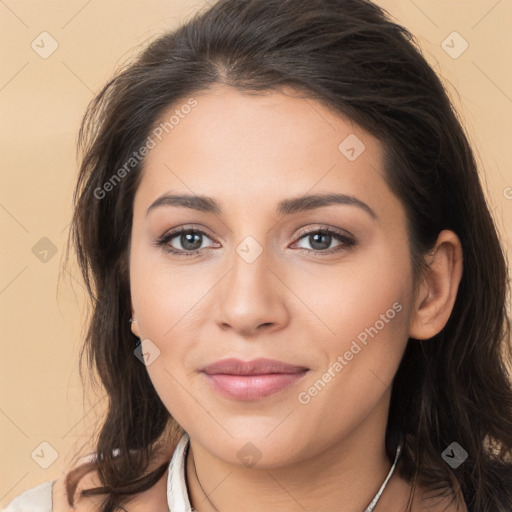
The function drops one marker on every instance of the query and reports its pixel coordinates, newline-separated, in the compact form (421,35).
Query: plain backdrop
(45,416)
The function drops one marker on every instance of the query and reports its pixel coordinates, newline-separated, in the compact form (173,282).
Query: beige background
(41,103)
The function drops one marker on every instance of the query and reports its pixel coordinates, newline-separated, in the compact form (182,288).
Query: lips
(260,366)
(251,380)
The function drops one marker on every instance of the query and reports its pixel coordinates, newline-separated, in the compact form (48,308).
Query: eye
(190,240)
(321,239)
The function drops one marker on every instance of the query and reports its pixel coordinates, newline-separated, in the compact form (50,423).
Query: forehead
(255,149)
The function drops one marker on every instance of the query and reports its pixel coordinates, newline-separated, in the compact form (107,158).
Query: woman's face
(261,281)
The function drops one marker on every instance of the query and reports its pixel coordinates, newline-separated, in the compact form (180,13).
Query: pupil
(322,245)
(185,240)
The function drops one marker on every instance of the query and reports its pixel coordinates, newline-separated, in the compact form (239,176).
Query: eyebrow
(285,207)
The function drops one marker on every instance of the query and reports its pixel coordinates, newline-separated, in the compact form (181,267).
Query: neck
(344,476)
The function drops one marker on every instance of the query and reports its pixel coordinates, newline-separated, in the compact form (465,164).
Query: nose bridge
(251,247)
(250,274)
(251,295)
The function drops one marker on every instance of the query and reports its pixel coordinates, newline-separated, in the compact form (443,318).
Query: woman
(299,294)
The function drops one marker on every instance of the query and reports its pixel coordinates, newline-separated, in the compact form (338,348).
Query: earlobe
(134,325)
(438,290)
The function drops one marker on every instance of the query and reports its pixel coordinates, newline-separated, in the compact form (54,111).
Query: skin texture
(249,152)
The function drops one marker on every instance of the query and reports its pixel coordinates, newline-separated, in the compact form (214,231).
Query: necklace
(371,506)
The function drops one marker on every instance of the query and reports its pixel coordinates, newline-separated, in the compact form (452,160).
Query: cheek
(164,295)
(164,300)
(347,300)
(363,308)
(361,361)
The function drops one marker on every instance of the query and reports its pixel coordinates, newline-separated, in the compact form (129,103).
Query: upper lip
(261,366)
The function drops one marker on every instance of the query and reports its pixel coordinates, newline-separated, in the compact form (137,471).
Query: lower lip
(252,387)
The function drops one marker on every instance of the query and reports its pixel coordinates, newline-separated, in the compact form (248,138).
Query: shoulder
(85,504)
(154,498)
(50,496)
(35,499)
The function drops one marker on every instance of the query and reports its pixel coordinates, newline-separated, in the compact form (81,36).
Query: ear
(134,324)
(438,289)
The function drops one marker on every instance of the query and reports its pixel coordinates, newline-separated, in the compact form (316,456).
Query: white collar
(177,494)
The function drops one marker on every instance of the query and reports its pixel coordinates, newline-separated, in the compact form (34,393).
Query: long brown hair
(351,56)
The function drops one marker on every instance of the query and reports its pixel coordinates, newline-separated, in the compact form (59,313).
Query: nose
(252,297)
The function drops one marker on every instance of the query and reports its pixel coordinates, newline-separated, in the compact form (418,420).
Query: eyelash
(346,244)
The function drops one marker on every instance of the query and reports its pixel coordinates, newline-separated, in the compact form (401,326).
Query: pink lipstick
(251,380)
